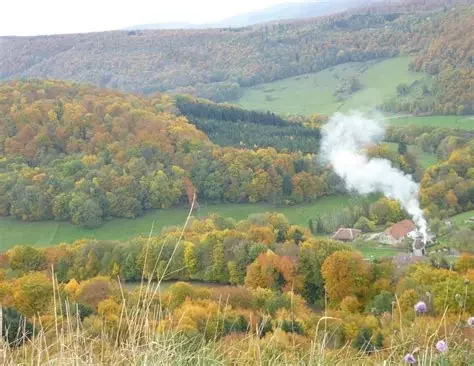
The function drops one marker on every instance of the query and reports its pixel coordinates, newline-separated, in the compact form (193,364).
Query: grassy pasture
(458,122)
(313,93)
(46,233)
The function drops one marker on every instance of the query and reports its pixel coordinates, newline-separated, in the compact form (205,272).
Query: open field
(313,93)
(460,122)
(424,159)
(371,250)
(460,219)
(14,232)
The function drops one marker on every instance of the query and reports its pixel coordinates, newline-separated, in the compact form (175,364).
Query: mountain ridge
(275,13)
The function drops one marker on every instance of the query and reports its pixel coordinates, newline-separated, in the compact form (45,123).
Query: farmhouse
(344,234)
(397,232)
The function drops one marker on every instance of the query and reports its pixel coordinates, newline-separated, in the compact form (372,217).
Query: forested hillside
(179,61)
(79,153)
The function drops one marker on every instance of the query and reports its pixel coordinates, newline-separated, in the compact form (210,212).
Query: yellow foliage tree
(71,287)
(345,273)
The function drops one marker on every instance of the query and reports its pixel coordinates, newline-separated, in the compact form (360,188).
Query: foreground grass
(313,93)
(136,337)
(46,233)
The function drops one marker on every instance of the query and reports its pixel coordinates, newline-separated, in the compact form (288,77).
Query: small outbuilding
(346,234)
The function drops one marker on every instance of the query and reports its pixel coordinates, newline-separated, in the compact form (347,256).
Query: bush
(366,342)
(365,225)
(382,302)
(15,328)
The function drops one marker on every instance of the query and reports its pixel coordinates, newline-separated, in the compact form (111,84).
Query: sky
(39,17)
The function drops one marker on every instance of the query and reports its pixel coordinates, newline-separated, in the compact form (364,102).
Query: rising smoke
(343,143)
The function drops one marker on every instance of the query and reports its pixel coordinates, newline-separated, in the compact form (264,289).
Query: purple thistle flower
(420,307)
(442,346)
(409,358)
(470,321)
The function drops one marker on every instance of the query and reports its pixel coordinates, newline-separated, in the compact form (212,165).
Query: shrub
(15,328)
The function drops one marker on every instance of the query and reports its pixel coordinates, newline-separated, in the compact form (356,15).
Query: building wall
(388,239)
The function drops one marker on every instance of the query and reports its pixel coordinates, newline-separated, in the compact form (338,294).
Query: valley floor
(46,233)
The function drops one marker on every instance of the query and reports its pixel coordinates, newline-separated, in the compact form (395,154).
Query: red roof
(401,229)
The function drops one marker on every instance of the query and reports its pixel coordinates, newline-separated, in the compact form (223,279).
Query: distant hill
(217,63)
(294,10)
(172,25)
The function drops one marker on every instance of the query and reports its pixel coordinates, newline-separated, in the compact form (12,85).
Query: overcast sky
(34,17)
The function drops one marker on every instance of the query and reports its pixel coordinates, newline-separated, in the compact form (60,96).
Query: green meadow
(458,122)
(314,93)
(461,219)
(46,233)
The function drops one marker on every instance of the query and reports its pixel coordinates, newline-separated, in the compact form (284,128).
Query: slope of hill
(73,152)
(216,63)
(328,91)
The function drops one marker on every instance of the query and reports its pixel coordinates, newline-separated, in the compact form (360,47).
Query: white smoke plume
(343,143)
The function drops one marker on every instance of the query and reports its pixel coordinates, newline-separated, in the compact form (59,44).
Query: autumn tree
(312,254)
(345,273)
(33,294)
(26,259)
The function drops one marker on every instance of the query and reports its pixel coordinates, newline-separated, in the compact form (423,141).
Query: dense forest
(178,60)
(78,153)
(229,125)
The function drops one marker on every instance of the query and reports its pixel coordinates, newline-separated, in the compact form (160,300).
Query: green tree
(382,302)
(218,263)
(402,148)
(312,255)
(190,260)
(26,259)
(92,264)
(234,276)
(129,269)
(365,225)
(16,329)
(61,207)
(85,211)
